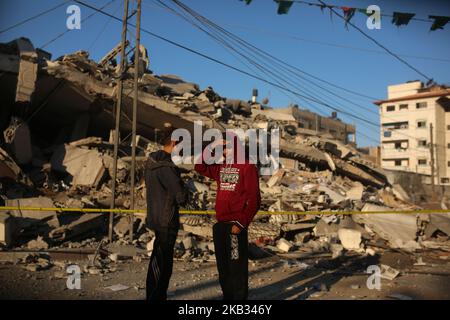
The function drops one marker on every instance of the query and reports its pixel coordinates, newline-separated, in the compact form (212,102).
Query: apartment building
(406,117)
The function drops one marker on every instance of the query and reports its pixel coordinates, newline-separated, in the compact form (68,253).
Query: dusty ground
(270,278)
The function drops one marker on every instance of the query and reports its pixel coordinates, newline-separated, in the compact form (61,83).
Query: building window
(422,143)
(403,107)
(448,145)
(448,127)
(448,163)
(398,163)
(421,105)
(422,162)
(445,180)
(421,124)
(395,125)
(390,108)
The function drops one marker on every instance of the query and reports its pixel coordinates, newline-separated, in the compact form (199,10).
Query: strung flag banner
(284,6)
(400,18)
(348,14)
(439,22)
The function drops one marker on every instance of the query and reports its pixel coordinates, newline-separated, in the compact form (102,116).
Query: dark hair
(166,136)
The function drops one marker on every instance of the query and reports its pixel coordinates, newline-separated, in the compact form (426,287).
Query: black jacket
(165,191)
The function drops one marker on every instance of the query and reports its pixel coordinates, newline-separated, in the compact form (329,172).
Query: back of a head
(165,136)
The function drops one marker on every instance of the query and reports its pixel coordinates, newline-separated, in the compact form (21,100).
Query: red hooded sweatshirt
(238,196)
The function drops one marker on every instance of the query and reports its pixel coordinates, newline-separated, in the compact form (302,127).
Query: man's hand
(235,229)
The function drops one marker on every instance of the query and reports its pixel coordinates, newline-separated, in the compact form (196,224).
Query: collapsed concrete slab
(399,229)
(84,165)
(85,224)
(33,216)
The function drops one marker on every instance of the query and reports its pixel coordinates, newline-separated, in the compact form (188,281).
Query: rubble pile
(57,152)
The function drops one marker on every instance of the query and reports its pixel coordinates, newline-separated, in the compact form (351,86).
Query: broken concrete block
(335,197)
(388,272)
(38,244)
(350,239)
(28,70)
(440,221)
(275,178)
(324,229)
(302,237)
(85,166)
(399,229)
(85,224)
(122,228)
(356,192)
(17,135)
(289,164)
(33,215)
(7,229)
(189,243)
(284,245)
(336,250)
(400,193)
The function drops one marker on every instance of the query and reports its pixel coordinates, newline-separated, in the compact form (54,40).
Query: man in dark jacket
(165,193)
(237,201)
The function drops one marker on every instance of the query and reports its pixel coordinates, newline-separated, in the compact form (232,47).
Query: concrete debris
(117,287)
(388,272)
(38,244)
(7,229)
(84,165)
(399,229)
(350,239)
(68,164)
(284,245)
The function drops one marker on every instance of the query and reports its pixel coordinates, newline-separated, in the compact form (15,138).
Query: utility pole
(432,157)
(118,112)
(135,106)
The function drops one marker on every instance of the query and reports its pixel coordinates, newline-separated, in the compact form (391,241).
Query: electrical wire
(68,30)
(379,44)
(34,17)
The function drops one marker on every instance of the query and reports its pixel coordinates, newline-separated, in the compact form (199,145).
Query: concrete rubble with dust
(56,152)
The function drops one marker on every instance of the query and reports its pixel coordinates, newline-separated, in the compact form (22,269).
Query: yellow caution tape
(212,212)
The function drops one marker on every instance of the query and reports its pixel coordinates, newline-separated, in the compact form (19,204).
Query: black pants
(161,263)
(232,261)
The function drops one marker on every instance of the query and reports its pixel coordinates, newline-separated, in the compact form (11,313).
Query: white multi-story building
(405,119)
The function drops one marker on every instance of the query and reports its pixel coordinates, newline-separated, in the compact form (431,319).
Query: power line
(334,6)
(337,45)
(246,44)
(194,13)
(226,64)
(375,125)
(68,30)
(104,28)
(34,17)
(379,44)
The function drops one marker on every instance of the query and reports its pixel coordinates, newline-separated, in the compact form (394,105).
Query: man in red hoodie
(238,200)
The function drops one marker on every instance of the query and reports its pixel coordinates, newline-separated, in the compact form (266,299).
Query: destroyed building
(57,118)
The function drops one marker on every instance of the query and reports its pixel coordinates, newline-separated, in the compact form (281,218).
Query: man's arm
(207,170)
(253,195)
(173,183)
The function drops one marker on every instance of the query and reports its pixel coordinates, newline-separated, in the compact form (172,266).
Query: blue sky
(306,38)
